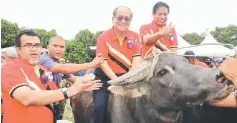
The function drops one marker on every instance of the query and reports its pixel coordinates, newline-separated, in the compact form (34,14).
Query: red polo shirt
(163,43)
(203,64)
(119,56)
(13,78)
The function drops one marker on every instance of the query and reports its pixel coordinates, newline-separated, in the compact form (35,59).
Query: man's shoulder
(12,67)
(132,35)
(203,64)
(149,25)
(44,57)
(130,32)
(105,34)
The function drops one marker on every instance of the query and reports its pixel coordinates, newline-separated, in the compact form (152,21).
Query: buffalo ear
(123,91)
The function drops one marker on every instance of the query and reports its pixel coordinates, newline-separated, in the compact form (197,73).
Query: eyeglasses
(126,19)
(30,45)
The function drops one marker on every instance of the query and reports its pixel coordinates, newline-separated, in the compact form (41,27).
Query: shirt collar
(25,64)
(113,35)
(47,54)
(157,27)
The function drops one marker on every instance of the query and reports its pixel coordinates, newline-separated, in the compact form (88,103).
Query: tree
(193,38)
(227,35)
(45,36)
(9,31)
(96,35)
(86,38)
(75,52)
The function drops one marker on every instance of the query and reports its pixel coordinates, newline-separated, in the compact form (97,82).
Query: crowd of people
(31,80)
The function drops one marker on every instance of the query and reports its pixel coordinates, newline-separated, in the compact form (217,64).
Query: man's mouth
(34,55)
(123,25)
(58,54)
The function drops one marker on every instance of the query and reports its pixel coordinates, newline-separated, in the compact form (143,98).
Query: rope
(155,53)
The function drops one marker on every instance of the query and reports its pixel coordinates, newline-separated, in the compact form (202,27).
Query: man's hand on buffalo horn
(229,69)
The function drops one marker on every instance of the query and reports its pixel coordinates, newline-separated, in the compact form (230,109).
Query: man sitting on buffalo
(157,33)
(121,49)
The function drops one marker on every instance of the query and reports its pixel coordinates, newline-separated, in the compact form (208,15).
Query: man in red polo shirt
(193,60)
(121,49)
(157,33)
(26,96)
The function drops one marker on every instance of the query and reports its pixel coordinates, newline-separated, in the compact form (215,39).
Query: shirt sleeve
(46,61)
(143,31)
(137,47)
(12,78)
(101,47)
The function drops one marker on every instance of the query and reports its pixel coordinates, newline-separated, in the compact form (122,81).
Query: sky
(68,17)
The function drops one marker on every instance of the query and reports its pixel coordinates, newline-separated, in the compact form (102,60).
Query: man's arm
(72,68)
(136,60)
(229,101)
(107,70)
(150,38)
(28,97)
(136,53)
(102,48)
(55,67)
(72,78)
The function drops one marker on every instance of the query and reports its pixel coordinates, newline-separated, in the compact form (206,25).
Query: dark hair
(116,9)
(160,4)
(28,32)
(191,53)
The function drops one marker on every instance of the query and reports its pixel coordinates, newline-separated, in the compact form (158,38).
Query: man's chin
(33,62)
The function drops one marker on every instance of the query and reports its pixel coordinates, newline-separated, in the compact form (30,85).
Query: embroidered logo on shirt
(130,44)
(171,36)
(48,76)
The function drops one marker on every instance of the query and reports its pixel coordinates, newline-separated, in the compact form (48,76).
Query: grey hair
(116,9)
(10,52)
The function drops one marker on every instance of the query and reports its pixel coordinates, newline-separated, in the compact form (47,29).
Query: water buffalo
(156,91)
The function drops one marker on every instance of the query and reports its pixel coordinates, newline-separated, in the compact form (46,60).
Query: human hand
(99,59)
(229,69)
(166,30)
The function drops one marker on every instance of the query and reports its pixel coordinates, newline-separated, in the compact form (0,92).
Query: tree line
(77,49)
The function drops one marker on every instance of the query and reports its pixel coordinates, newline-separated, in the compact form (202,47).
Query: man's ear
(18,50)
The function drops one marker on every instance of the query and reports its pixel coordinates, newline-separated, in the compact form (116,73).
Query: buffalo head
(171,82)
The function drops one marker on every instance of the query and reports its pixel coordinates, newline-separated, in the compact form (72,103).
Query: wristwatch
(64,91)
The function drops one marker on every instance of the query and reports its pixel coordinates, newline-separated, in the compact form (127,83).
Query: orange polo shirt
(164,43)
(119,56)
(13,78)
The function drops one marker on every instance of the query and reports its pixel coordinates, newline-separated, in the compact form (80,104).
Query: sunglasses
(126,19)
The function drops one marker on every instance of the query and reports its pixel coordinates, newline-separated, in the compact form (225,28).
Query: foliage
(9,31)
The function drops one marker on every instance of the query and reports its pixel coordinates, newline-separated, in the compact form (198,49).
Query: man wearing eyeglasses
(157,33)
(121,49)
(25,85)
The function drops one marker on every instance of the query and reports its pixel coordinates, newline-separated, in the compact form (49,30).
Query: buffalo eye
(162,72)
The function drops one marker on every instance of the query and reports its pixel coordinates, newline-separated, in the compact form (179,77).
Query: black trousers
(100,98)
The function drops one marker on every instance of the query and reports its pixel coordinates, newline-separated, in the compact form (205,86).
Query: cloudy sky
(70,16)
